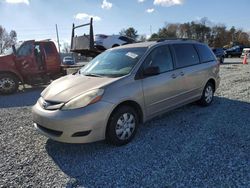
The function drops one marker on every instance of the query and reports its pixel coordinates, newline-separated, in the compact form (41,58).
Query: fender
(13,72)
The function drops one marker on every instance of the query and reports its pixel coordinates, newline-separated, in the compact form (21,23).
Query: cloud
(141,1)
(106,5)
(84,16)
(168,3)
(18,1)
(150,10)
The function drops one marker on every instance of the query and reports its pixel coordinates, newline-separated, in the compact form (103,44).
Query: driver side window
(25,49)
(160,57)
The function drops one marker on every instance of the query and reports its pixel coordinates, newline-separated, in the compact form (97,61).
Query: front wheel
(122,126)
(207,95)
(8,84)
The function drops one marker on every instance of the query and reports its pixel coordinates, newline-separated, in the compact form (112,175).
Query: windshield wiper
(93,75)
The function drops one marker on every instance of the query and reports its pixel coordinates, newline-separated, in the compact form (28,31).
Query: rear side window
(49,48)
(205,54)
(186,55)
(160,57)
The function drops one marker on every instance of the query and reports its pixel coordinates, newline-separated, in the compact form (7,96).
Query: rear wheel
(207,95)
(8,84)
(122,126)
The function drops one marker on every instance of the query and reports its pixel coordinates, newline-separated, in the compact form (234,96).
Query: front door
(161,91)
(25,59)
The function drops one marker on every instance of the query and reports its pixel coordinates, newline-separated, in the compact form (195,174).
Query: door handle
(182,73)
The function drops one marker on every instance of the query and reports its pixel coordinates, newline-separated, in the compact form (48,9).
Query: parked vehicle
(123,87)
(110,41)
(91,45)
(219,53)
(234,51)
(68,60)
(245,51)
(30,62)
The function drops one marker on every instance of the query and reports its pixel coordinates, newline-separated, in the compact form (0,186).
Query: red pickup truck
(30,62)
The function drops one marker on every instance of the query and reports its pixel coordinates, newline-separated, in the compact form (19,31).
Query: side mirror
(14,49)
(151,71)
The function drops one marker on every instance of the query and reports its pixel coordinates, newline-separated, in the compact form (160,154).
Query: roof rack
(44,40)
(182,39)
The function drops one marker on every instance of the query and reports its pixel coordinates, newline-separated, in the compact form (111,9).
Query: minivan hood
(71,86)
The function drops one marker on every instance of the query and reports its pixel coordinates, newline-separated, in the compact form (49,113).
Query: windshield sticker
(132,55)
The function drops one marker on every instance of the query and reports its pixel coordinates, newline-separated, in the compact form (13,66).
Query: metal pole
(58,43)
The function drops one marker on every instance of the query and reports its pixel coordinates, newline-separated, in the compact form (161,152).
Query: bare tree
(66,47)
(142,38)
(7,39)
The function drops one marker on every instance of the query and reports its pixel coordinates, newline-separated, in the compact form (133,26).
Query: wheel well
(132,104)
(12,74)
(129,103)
(212,81)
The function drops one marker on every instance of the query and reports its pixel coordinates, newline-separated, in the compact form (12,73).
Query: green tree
(154,37)
(214,36)
(130,32)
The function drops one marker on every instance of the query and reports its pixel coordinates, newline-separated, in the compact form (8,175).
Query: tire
(8,84)
(207,95)
(122,126)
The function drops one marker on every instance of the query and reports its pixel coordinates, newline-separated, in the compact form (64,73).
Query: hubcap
(209,94)
(7,84)
(125,126)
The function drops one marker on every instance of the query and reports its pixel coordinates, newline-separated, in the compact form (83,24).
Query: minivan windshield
(113,63)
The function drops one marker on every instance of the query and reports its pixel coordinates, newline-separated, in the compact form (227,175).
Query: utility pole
(58,43)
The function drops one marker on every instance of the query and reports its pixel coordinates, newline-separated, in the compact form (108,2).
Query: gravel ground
(188,147)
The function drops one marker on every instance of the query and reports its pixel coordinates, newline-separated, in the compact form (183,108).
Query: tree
(169,31)
(66,47)
(7,39)
(154,36)
(130,32)
(204,31)
(142,38)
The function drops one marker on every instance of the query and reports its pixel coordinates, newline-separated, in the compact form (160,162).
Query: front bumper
(82,125)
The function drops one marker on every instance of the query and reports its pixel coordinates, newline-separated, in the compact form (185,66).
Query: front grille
(50,105)
(50,131)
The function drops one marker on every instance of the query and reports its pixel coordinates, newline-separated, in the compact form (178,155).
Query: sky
(36,19)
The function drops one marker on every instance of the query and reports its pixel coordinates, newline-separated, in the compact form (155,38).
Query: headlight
(85,99)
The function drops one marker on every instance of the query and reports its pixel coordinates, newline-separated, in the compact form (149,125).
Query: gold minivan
(124,87)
